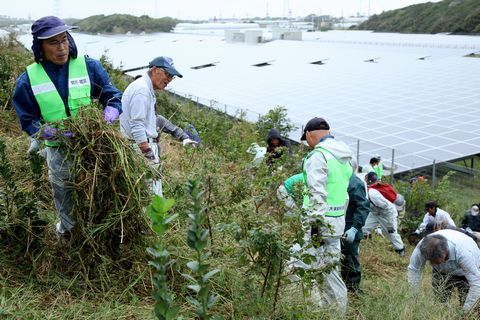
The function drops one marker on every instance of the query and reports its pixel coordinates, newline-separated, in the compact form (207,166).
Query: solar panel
(425,109)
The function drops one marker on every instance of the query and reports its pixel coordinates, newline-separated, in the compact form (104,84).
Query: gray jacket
(164,125)
(463,260)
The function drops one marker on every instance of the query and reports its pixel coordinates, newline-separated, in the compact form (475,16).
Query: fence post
(392,168)
(358,153)
(434,169)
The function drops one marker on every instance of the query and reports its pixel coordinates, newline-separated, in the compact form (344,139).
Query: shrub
(14,58)
(275,118)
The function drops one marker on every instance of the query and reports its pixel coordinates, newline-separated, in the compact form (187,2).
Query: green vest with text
(52,107)
(338,178)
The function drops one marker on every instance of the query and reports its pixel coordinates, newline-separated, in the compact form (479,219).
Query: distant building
(286,34)
(232,35)
(183,27)
(346,23)
(253,36)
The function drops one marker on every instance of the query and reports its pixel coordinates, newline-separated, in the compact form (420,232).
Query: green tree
(275,118)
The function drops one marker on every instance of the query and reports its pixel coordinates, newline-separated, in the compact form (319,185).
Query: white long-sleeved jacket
(379,205)
(317,173)
(440,216)
(463,260)
(138,119)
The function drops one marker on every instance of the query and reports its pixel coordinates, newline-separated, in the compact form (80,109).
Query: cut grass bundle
(110,193)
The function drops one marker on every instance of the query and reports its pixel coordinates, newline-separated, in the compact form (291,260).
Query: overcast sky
(198,9)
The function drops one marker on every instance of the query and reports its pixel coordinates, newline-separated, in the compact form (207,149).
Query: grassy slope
(457,16)
(25,296)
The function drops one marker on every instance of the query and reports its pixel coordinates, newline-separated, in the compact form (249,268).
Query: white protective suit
(334,289)
(383,213)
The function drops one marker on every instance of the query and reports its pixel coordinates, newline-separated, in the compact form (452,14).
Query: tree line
(123,23)
(453,16)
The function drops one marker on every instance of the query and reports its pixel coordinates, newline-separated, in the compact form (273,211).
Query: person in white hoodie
(326,174)
(383,213)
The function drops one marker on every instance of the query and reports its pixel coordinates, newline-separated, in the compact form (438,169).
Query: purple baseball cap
(50,26)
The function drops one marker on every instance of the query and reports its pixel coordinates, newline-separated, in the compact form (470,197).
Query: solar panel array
(416,94)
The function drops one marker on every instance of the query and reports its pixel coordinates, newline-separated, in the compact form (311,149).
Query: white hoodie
(317,172)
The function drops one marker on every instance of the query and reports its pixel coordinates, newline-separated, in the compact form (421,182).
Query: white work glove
(190,142)
(34,147)
(350,234)
(468,229)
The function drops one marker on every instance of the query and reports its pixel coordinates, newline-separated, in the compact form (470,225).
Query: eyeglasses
(169,76)
(56,43)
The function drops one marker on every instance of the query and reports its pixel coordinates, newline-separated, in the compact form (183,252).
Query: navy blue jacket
(26,105)
(358,205)
(472,222)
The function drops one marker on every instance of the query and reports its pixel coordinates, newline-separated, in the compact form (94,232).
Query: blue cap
(165,63)
(50,26)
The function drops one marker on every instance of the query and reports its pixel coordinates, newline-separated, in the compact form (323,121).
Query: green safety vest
(379,170)
(52,107)
(338,178)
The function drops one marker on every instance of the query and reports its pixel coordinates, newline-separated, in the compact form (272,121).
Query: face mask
(474,212)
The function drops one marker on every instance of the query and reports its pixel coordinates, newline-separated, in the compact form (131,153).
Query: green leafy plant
(14,58)
(120,80)
(416,194)
(197,239)
(275,118)
(165,309)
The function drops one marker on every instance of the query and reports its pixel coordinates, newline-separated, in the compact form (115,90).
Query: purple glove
(110,114)
(68,134)
(49,133)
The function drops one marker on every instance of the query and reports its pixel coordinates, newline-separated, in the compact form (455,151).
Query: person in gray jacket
(455,260)
(139,122)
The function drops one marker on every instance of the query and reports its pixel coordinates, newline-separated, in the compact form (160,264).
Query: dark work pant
(351,269)
(443,285)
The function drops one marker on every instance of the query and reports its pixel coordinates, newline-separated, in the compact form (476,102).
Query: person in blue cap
(139,122)
(53,88)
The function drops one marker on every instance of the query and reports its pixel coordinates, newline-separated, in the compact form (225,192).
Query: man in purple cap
(139,121)
(54,88)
